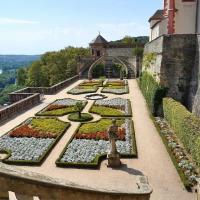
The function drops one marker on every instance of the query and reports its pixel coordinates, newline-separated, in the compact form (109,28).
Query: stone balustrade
(26,185)
(30,96)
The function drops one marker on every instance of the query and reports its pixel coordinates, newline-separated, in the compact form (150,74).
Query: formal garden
(31,141)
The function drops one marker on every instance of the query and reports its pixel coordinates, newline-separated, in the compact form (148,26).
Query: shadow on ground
(131,171)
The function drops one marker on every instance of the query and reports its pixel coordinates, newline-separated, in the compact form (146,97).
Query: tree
(34,75)
(79,106)
(128,40)
(21,76)
(98,70)
(138,51)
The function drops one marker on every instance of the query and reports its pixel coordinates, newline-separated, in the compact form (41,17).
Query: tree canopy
(128,40)
(54,67)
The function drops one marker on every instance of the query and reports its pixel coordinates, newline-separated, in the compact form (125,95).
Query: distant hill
(10,62)
(139,39)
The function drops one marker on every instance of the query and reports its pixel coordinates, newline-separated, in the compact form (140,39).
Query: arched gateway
(108,54)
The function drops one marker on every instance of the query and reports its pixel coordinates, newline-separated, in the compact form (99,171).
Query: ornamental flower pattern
(85,150)
(61,103)
(117,103)
(83,89)
(186,166)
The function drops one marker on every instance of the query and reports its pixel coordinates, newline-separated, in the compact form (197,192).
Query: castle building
(97,46)
(176,17)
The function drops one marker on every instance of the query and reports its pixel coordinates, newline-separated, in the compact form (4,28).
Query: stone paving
(153,160)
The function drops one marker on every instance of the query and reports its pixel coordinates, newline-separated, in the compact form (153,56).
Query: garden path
(153,159)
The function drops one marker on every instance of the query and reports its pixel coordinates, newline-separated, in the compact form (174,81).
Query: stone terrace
(153,160)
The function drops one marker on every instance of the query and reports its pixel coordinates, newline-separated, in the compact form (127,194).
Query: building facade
(176,17)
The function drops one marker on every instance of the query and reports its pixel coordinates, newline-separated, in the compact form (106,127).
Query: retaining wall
(174,63)
(27,184)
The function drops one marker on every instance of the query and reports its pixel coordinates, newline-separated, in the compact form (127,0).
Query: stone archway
(102,59)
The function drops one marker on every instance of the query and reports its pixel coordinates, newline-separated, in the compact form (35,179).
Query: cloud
(15,21)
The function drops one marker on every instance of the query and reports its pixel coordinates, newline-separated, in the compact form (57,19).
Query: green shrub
(186,126)
(152,91)
(84,117)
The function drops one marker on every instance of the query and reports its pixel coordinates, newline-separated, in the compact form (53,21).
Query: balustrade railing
(30,96)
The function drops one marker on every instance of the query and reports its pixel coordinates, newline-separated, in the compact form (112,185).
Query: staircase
(85,69)
(131,73)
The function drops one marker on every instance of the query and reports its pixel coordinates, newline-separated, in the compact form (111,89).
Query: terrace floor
(153,160)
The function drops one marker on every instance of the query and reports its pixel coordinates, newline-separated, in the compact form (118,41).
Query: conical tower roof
(99,40)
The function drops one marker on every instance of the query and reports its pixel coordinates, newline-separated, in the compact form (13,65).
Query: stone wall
(193,103)
(173,64)
(28,97)
(27,184)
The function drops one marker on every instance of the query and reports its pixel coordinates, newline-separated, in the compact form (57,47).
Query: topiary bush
(152,91)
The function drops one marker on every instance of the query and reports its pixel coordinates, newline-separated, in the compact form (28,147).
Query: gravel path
(153,160)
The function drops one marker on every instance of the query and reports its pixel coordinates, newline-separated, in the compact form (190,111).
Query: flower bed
(91,82)
(117,82)
(112,107)
(60,107)
(86,152)
(27,148)
(183,166)
(83,89)
(115,89)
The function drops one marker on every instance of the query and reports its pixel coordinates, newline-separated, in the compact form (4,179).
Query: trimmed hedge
(179,170)
(84,117)
(186,126)
(98,158)
(42,157)
(152,91)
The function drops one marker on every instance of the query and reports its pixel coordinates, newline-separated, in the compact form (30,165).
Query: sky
(33,27)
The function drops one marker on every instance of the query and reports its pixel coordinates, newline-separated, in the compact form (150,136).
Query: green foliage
(54,67)
(48,150)
(186,126)
(7,78)
(138,40)
(104,111)
(4,97)
(59,112)
(52,125)
(84,117)
(152,91)
(128,40)
(99,126)
(98,71)
(22,74)
(79,107)
(118,68)
(181,174)
(138,51)
(148,59)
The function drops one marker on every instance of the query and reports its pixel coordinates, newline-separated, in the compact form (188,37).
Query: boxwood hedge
(186,126)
